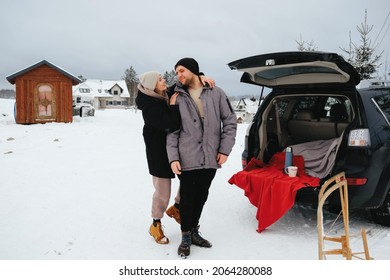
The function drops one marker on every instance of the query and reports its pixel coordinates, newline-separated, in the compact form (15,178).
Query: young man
(199,147)
(161,116)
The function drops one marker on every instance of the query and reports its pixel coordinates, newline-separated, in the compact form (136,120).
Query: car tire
(381,215)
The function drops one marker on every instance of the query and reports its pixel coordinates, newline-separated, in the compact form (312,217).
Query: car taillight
(356,181)
(359,138)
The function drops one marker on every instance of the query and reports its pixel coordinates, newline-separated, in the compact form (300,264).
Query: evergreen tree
(363,57)
(131,79)
(306,46)
(170,77)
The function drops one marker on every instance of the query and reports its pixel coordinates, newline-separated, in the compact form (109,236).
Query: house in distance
(102,94)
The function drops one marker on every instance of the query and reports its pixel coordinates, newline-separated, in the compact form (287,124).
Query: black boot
(184,247)
(198,240)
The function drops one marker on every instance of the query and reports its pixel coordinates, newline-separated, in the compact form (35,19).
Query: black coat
(160,119)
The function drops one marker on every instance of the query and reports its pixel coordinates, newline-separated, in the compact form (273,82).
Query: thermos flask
(288,159)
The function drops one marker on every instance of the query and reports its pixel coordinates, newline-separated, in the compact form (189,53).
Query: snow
(81,191)
(99,88)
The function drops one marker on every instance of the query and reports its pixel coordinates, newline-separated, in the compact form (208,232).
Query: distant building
(102,94)
(245,109)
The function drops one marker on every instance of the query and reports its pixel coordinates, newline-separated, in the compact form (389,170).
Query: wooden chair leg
(365,244)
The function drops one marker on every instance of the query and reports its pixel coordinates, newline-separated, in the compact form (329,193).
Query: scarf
(152,93)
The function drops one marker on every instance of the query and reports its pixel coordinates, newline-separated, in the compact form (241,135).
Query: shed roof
(11,78)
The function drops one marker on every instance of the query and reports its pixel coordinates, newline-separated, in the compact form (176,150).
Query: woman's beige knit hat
(149,79)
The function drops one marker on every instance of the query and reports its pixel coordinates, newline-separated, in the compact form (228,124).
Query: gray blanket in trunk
(319,156)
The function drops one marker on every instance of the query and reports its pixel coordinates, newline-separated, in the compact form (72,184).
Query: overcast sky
(101,39)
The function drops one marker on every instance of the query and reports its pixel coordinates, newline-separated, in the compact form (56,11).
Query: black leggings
(194,190)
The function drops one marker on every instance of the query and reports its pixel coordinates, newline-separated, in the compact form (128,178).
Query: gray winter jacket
(197,143)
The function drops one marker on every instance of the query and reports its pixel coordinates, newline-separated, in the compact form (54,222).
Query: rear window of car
(321,107)
(275,73)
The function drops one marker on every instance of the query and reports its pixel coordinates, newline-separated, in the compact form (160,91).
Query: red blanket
(269,189)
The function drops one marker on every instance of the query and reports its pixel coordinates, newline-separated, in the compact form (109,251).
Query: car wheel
(381,215)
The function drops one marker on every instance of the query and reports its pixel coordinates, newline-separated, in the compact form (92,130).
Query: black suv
(315,107)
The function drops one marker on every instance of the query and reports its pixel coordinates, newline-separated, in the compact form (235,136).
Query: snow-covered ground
(81,191)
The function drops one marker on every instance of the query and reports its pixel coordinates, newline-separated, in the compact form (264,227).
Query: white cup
(291,170)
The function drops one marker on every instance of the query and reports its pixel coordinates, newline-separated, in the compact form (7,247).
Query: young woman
(161,116)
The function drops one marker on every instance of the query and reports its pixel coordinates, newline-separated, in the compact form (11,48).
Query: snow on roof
(251,105)
(11,78)
(100,88)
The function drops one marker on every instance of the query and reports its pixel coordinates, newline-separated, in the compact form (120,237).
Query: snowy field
(81,191)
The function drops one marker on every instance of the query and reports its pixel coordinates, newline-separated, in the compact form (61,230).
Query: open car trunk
(292,120)
(313,132)
(311,108)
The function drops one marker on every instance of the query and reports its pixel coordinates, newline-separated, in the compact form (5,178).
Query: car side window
(324,108)
(383,104)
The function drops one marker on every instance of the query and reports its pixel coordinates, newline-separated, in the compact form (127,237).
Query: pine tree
(170,77)
(130,77)
(305,46)
(363,57)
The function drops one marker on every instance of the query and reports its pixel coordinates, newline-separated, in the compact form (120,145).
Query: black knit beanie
(190,64)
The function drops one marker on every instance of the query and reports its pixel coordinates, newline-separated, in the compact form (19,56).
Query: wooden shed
(43,94)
